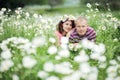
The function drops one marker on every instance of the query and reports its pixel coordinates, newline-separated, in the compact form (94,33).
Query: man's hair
(81,18)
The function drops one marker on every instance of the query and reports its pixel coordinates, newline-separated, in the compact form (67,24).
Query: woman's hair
(60,25)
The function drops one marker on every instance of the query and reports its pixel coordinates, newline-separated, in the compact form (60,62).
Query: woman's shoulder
(57,33)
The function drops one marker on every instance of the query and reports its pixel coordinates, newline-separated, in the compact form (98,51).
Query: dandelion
(102,65)
(89,5)
(97,4)
(102,58)
(35,15)
(113,62)
(112,71)
(71,46)
(85,68)
(52,78)
(117,78)
(82,57)
(42,74)
(64,46)
(1,30)
(38,41)
(94,56)
(48,66)
(6,54)
(30,27)
(1,13)
(52,49)
(27,14)
(64,40)
(15,77)
(115,40)
(52,40)
(6,65)
(57,57)
(3,9)
(63,68)
(28,62)
(103,28)
(64,53)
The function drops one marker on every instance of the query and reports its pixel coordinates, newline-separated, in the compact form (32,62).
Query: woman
(64,26)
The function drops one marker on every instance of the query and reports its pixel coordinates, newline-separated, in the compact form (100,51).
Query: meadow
(28,49)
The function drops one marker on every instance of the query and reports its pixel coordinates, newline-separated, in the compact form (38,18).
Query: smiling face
(67,26)
(81,26)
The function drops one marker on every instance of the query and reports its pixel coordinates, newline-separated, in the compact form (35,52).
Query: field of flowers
(28,50)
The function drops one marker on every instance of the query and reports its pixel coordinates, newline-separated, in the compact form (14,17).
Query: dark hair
(60,25)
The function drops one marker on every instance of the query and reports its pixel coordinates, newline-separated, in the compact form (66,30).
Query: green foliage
(28,26)
(104,4)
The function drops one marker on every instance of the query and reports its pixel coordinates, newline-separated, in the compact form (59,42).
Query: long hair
(60,25)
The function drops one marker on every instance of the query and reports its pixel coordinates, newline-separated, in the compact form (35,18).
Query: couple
(75,30)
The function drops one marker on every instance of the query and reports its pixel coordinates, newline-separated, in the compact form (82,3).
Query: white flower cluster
(69,17)
(25,46)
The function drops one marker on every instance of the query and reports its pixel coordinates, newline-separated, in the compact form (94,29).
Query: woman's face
(67,26)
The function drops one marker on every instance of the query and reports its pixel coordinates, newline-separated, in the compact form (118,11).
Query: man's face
(81,27)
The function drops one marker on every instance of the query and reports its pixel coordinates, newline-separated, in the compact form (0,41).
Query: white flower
(38,41)
(42,74)
(95,56)
(30,27)
(19,8)
(64,53)
(35,15)
(102,58)
(64,17)
(15,77)
(52,40)
(97,4)
(100,48)
(89,5)
(77,46)
(3,9)
(85,68)
(4,47)
(27,14)
(109,78)
(92,76)
(118,57)
(112,71)
(70,17)
(71,46)
(115,40)
(57,57)
(6,54)
(52,49)
(104,28)
(64,46)
(64,40)
(49,66)
(52,78)
(113,62)
(28,62)
(87,44)
(5,65)
(74,76)
(1,13)
(63,68)
(82,57)
(117,78)
(102,65)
